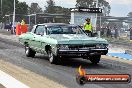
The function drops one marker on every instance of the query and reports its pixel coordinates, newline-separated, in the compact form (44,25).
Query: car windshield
(64,30)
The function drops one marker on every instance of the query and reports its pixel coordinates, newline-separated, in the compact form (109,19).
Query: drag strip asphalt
(64,73)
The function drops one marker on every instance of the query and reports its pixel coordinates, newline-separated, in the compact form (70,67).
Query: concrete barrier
(24,28)
(18,29)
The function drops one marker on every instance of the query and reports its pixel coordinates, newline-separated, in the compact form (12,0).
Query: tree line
(51,7)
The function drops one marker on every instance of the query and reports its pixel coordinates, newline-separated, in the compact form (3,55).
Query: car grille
(76,47)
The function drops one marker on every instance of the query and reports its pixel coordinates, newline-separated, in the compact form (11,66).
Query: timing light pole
(14,16)
(1,7)
(97,2)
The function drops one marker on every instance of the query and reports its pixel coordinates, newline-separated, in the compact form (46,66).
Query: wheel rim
(51,57)
(27,50)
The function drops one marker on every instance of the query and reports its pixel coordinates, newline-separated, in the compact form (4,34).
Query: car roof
(56,24)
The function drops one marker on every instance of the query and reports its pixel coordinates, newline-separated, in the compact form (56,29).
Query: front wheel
(29,52)
(52,58)
(95,59)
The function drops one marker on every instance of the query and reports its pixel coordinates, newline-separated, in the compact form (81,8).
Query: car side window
(40,30)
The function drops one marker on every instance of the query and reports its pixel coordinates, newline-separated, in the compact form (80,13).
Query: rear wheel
(95,59)
(29,52)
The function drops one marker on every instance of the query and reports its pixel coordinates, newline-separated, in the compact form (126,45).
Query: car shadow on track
(76,62)
(73,62)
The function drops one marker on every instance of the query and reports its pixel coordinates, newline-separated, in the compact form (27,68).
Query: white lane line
(10,82)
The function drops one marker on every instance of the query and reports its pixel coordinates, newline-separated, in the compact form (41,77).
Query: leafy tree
(35,8)
(61,10)
(52,9)
(92,3)
(129,14)
(8,7)
(21,8)
(50,6)
(64,11)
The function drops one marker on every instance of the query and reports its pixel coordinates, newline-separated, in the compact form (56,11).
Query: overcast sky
(118,7)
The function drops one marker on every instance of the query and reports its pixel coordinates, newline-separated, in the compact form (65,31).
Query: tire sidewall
(27,51)
(95,59)
(51,57)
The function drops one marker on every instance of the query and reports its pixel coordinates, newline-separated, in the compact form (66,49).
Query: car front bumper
(76,53)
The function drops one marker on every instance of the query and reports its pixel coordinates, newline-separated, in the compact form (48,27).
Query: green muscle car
(58,40)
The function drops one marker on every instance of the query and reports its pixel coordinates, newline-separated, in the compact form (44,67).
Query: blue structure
(121,55)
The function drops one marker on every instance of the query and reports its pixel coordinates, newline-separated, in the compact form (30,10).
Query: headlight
(63,47)
(101,46)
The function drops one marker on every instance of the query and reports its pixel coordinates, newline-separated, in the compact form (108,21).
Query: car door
(38,37)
